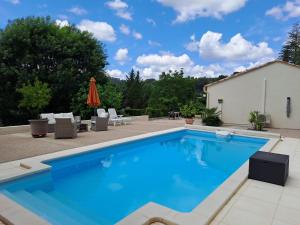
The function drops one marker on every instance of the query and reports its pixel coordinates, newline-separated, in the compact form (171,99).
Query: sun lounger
(114,118)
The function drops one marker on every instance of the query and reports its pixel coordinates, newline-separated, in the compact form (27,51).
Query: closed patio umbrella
(93,99)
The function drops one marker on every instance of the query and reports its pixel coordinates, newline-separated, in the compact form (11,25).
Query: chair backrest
(63,121)
(100,111)
(112,113)
(64,115)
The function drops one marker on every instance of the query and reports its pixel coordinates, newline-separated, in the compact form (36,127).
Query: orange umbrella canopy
(93,99)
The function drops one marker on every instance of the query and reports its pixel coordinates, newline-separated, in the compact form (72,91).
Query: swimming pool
(177,170)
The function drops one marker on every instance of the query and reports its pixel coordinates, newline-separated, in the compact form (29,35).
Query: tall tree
(290,51)
(36,48)
(133,91)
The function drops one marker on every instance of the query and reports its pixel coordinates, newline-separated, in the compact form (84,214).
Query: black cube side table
(269,167)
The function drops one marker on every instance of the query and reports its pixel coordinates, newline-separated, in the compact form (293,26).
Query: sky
(204,37)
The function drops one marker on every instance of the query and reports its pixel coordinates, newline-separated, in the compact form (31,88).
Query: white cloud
(62,23)
(14,2)
(193,45)
(77,11)
(137,35)
(151,21)
(151,66)
(124,29)
(191,9)
(121,9)
(122,55)
(237,49)
(116,73)
(291,9)
(154,43)
(101,30)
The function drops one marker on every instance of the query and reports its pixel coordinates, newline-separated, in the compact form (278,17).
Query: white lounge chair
(114,118)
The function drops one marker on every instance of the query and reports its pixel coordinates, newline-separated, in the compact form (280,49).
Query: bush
(134,112)
(188,110)
(210,117)
(212,121)
(34,97)
(152,113)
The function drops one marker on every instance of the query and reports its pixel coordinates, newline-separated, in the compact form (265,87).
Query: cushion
(103,115)
(49,116)
(58,115)
(69,115)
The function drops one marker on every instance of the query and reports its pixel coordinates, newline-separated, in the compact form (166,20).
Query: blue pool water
(177,170)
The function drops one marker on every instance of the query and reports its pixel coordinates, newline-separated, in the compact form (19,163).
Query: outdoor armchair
(65,128)
(99,123)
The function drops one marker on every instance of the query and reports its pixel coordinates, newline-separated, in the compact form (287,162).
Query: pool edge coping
(150,212)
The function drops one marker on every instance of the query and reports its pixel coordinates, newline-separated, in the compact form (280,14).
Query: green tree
(171,91)
(133,91)
(36,48)
(110,97)
(34,97)
(290,51)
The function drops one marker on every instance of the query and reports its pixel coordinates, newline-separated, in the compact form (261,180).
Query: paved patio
(22,145)
(267,204)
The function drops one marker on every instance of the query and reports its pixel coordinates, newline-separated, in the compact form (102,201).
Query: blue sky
(205,37)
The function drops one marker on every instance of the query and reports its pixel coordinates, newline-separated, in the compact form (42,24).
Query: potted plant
(257,120)
(188,111)
(34,98)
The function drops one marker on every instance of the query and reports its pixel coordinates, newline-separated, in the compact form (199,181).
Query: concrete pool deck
(254,203)
(16,146)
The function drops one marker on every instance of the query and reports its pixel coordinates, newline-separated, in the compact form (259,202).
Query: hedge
(134,112)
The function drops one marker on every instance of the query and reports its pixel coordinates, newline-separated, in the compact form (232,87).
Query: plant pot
(39,128)
(189,120)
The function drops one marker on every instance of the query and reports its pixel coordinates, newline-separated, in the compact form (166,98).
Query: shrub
(134,112)
(152,113)
(212,121)
(210,117)
(257,120)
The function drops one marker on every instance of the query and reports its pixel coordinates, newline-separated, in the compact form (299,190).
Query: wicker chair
(64,128)
(99,123)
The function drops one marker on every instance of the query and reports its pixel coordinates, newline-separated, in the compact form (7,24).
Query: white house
(272,89)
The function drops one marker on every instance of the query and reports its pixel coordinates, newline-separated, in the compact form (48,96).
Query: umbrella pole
(95,110)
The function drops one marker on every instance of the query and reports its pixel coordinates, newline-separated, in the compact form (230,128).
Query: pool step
(80,209)
(64,208)
(51,213)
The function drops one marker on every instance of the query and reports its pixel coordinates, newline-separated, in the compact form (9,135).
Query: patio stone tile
(290,200)
(263,194)
(238,216)
(278,222)
(287,215)
(256,206)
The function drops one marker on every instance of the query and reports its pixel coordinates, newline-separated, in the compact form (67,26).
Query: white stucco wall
(245,93)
